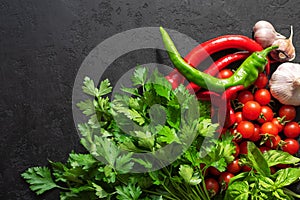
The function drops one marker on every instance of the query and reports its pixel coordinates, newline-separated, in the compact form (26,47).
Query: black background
(43,43)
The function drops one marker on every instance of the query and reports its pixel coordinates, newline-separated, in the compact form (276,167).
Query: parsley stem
(157,193)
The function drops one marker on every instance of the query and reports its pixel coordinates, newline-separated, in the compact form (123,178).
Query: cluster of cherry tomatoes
(256,120)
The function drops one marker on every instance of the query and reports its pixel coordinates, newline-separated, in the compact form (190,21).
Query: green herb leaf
(40,179)
(219,154)
(131,191)
(99,191)
(86,161)
(285,177)
(139,76)
(104,88)
(257,160)
(238,190)
(266,184)
(167,135)
(89,87)
(274,157)
(187,173)
(87,107)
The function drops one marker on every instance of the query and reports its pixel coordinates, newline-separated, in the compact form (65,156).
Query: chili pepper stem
(266,51)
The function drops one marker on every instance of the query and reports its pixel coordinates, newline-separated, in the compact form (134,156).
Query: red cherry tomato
(264,149)
(224,179)
(269,128)
(256,134)
(246,168)
(251,110)
(277,122)
(225,73)
(212,186)
(291,146)
(213,171)
(243,147)
(237,150)
(261,81)
(245,96)
(291,130)
(273,142)
(262,96)
(239,117)
(245,128)
(234,167)
(266,114)
(287,111)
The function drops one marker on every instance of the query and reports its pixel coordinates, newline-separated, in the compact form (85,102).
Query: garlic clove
(263,24)
(265,37)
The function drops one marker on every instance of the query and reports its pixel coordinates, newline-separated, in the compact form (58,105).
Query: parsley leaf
(40,179)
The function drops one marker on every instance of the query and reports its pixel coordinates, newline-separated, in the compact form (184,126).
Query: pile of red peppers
(245,46)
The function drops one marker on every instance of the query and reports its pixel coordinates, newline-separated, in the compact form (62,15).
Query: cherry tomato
(245,128)
(261,81)
(291,130)
(239,117)
(212,186)
(256,134)
(251,110)
(273,170)
(234,167)
(287,111)
(245,96)
(277,122)
(282,166)
(269,128)
(213,171)
(224,179)
(266,114)
(246,168)
(273,141)
(291,146)
(262,96)
(243,147)
(264,149)
(225,73)
(237,150)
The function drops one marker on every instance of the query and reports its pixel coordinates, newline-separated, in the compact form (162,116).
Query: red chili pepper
(204,50)
(229,118)
(218,65)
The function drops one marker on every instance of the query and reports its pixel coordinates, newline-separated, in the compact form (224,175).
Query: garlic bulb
(285,84)
(266,35)
(286,49)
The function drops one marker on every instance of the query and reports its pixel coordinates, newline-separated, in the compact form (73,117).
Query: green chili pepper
(245,75)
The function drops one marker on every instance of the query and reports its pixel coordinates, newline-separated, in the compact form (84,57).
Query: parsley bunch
(148,142)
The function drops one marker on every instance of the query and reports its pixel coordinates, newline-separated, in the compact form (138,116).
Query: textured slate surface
(42,44)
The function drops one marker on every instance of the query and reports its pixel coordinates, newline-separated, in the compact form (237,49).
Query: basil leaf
(274,157)
(266,184)
(239,177)
(238,190)
(285,177)
(257,160)
(279,194)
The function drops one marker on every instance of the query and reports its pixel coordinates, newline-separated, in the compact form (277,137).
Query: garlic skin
(285,84)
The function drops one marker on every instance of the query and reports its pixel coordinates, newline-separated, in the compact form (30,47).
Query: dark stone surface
(42,44)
